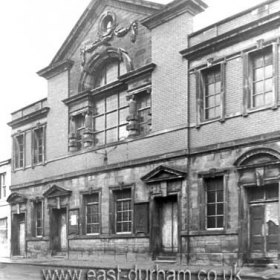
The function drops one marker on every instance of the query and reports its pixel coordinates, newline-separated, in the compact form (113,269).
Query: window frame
(105,113)
(19,163)
(248,81)
(145,123)
(38,205)
(85,204)
(3,187)
(215,203)
(202,199)
(113,209)
(201,92)
(36,147)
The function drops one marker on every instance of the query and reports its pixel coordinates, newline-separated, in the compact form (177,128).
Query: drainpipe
(188,164)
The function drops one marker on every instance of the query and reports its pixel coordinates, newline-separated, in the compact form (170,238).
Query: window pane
(211,210)
(122,99)
(211,89)
(122,68)
(100,106)
(112,119)
(258,89)
(218,87)
(112,72)
(123,115)
(259,74)
(268,85)
(100,138)
(211,222)
(99,123)
(268,58)
(123,133)
(220,221)
(268,71)
(111,103)
(220,196)
(258,61)
(220,208)
(210,101)
(258,100)
(112,135)
(211,197)
(268,98)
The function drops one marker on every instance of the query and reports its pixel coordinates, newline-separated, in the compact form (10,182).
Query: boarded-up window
(141,217)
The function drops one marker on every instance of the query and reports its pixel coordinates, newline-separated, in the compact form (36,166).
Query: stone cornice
(172,10)
(234,36)
(138,72)
(29,118)
(86,95)
(55,69)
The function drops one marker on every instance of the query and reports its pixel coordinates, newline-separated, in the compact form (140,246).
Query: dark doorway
(58,231)
(18,235)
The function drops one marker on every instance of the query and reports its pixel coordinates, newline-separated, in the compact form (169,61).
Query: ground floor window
(3,230)
(92,213)
(123,211)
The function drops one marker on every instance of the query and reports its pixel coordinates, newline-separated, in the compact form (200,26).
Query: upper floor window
(210,89)
(212,96)
(109,119)
(3,188)
(214,203)
(260,74)
(143,102)
(19,151)
(262,78)
(38,145)
(109,73)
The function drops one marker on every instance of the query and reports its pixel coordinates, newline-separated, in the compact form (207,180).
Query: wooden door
(169,226)
(257,229)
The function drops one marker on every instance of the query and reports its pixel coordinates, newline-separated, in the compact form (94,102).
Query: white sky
(32,31)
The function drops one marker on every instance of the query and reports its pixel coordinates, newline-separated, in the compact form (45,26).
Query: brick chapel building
(154,143)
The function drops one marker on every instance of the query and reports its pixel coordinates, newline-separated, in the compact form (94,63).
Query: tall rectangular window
(19,151)
(123,211)
(262,78)
(214,203)
(212,96)
(109,119)
(39,218)
(92,213)
(3,193)
(143,101)
(38,145)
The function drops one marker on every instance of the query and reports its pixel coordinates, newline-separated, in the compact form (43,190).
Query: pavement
(206,272)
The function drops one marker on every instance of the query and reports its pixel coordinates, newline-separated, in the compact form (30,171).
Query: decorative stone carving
(73,138)
(88,132)
(108,31)
(132,118)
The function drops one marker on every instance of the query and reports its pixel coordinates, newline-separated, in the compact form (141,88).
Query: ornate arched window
(109,72)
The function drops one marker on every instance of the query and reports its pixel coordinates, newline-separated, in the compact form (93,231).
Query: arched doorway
(259,173)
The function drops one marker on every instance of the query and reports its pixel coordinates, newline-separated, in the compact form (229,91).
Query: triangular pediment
(163,173)
(16,198)
(56,191)
(91,16)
